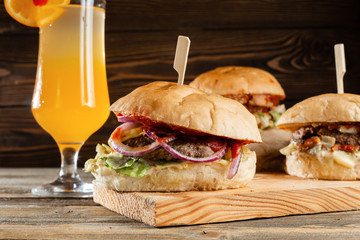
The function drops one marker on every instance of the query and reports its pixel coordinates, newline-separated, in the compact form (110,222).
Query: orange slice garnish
(35,13)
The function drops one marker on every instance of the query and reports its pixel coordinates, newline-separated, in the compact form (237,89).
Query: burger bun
(190,108)
(305,165)
(325,108)
(238,80)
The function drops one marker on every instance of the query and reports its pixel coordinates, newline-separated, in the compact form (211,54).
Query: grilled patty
(188,148)
(341,138)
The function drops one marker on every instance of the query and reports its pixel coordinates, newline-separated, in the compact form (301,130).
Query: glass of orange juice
(71,99)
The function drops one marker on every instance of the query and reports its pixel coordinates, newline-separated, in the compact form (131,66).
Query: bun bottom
(181,177)
(269,159)
(305,165)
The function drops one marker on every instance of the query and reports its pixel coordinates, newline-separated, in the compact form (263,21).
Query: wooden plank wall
(292,39)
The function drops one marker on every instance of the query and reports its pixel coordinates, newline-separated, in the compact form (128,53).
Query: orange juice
(71,97)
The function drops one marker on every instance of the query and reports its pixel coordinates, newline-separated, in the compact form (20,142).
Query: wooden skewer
(181,56)
(340,66)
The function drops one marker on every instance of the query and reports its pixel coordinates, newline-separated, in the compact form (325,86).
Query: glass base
(69,188)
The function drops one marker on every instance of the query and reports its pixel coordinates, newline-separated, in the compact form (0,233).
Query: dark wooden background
(292,39)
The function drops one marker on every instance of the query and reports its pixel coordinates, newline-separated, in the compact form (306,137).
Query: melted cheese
(344,129)
(322,152)
(344,159)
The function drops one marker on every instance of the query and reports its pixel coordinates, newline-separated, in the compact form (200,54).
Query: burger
(260,93)
(325,137)
(176,138)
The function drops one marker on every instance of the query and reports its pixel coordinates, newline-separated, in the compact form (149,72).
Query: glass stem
(69,158)
(68,183)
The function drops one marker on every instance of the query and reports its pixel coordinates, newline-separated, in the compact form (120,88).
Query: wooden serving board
(267,195)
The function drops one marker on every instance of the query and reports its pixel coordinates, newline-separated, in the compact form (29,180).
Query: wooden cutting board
(267,195)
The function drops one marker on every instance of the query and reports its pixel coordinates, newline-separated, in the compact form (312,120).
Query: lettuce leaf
(270,119)
(263,120)
(127,165)
(275,116)
(276,113)
(116,162)
(131,166)
(137,169)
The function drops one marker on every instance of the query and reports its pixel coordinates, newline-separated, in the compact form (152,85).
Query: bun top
(190,108)
(238,80)
(325,108)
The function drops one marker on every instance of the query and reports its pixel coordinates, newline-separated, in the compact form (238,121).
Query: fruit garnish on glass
(35,13)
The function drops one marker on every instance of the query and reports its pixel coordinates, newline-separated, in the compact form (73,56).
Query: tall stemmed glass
(71,97)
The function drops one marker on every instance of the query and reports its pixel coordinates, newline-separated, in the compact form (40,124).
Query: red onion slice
(124,119)
(234,167)
(115,141)
(219,154)
(154,137)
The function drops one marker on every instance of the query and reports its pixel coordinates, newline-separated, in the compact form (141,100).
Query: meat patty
(303,133)
(341,138)
(140,141)
(188,148)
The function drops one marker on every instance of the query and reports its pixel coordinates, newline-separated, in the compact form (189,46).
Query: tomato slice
(235,149)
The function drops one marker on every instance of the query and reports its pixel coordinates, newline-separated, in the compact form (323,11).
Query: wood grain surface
(267,195)
(291,39)
(24,216)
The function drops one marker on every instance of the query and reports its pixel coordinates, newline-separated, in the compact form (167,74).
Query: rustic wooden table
(24,216)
